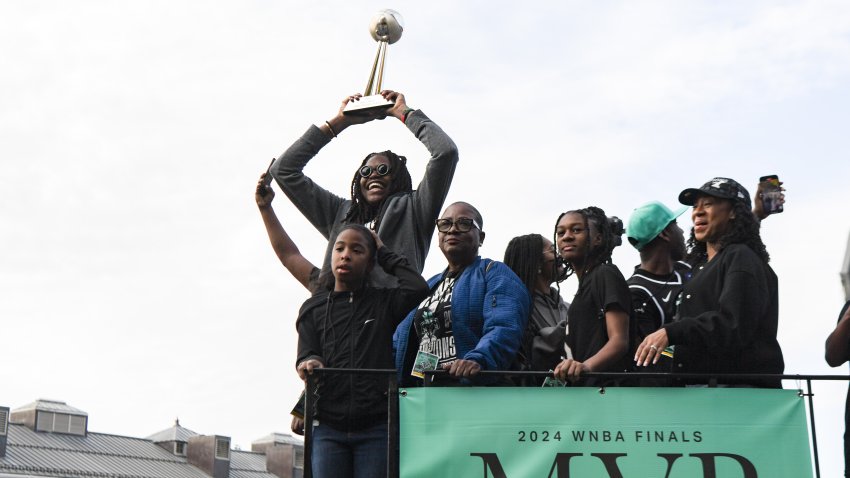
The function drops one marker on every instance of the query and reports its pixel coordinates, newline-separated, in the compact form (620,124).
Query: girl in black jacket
(347,324)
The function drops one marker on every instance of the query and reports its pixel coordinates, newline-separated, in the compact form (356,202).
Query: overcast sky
(137,280)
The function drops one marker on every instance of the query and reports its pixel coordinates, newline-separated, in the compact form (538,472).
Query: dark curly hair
(744,229)
(601,254)
(361,212)
(524,255)
(326,279)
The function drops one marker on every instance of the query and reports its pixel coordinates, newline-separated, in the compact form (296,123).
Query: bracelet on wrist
(330,128)
(406,113)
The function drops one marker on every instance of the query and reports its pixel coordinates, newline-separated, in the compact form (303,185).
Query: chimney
(210,453)
(284,454)
(285,461)
(4,429)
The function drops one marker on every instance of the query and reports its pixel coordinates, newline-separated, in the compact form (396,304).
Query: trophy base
(367,104)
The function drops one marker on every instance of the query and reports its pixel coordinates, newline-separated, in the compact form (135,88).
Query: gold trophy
(386,28)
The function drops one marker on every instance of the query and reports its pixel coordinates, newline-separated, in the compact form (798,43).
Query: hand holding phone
(264,193)
(770,194)
(268,179)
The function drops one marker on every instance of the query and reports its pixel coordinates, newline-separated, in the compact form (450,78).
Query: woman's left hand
(651,347)
(463,368)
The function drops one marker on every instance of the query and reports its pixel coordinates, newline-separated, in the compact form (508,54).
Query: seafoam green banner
(491,432)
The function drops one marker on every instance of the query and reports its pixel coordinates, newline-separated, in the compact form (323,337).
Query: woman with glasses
(532,258)
(382,197)
(475,315)
(599,314)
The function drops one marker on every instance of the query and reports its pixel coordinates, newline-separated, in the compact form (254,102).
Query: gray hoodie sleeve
(434,187)
(317,204)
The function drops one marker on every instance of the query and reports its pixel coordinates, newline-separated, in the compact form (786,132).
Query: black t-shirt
(603,288)
(654,298)
(433,322)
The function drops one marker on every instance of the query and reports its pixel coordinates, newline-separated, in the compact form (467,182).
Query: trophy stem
(368,90)
(372,99)
(378,61)
(383,53)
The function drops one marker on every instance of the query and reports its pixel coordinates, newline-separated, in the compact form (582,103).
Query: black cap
(720,188)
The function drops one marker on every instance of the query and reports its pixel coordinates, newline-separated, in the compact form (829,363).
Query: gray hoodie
(408,221)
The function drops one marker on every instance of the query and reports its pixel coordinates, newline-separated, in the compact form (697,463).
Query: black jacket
(355,330)
(728,318)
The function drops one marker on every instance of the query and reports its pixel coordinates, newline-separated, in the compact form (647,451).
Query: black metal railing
(710,380)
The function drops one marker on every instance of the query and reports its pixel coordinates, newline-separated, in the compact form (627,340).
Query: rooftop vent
(222,448)
(52,416)
(4,429)
(173,439)
(299,459)
(4,421)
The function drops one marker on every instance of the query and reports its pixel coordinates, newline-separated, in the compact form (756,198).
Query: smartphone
(770,199)
(268,178)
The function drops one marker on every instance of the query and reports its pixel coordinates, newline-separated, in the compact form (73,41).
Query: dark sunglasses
(463,224)
(382,169)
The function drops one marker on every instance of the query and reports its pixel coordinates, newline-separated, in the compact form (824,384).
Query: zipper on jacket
(353,363)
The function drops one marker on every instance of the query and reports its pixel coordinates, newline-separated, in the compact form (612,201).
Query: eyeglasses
(382,169)
(463,224)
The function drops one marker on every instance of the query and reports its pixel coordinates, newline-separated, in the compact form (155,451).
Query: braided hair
(595,221)
(525,257)
(743,229)
(361,212)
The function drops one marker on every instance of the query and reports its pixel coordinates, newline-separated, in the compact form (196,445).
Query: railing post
(308,425)
(392,427)
(812,419)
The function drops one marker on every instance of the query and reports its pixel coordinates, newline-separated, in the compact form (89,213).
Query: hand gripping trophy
(386,28)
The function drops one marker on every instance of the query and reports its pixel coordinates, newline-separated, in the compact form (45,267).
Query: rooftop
(174,433)
(30,453)
(54,406)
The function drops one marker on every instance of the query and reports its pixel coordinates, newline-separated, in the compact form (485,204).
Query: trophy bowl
(387,25)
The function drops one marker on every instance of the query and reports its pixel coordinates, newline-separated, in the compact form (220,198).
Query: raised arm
(317,204)
(286,250)
(758,205)
(432,190)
